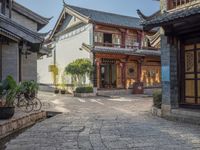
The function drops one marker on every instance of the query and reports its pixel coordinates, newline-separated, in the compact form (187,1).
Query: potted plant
(8,92)
(63,87)
(56,91)
(29,89)
(63,91)
(86,91)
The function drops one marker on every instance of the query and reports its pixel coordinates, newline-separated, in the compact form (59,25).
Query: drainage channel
(3,141)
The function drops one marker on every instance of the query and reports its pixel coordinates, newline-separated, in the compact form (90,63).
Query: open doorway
(108,76)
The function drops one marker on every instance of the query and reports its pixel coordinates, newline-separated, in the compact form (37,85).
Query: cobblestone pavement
(106,123)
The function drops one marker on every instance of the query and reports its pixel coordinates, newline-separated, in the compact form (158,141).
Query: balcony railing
(176,4)
(134,46)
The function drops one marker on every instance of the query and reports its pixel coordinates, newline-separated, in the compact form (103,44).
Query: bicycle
(36,102)
(24,104)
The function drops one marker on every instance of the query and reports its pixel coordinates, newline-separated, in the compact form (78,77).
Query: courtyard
(121,123)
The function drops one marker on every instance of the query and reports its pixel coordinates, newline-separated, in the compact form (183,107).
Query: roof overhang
(123,51)
(19,31)
(68,10)
(41,21)
(173,20)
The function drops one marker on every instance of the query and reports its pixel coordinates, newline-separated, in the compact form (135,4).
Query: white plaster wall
(67,50)
(44,76)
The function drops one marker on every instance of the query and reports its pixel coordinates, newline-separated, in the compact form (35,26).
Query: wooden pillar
(123,45)
(139,38)
(98,71)
(94,71)
(139,70)
(124,75)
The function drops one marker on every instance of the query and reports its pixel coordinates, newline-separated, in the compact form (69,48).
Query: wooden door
(192,74)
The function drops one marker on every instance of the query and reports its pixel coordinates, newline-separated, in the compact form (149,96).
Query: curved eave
(42,21)
(20,31)
(147,18)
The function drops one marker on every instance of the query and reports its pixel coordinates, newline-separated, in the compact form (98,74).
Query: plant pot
(63,92)
(56,91)
(6,112)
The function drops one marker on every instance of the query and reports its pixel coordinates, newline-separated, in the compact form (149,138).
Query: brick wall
(10,60)
(169,68)
(29,67)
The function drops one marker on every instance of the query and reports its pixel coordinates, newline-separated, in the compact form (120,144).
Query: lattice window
(98,37)
(116,40)
(189,62)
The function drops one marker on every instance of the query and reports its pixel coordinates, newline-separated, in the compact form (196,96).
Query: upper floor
(178,4)
(106,29)
(118,37)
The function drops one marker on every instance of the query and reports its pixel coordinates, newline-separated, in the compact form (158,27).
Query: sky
(52,8)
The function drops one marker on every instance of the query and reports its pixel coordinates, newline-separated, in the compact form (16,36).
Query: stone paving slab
(108,124)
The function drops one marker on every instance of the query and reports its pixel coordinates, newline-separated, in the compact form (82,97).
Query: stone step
(114,92)
(185,115)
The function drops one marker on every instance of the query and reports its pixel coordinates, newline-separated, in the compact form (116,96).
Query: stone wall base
(165,109)
(181,115)
(13,125)
(84,94)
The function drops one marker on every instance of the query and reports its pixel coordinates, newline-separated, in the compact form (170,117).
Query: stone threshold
(8,127)
(190,116)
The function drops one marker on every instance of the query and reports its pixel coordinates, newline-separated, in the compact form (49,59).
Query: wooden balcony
(179,4)
(135,46)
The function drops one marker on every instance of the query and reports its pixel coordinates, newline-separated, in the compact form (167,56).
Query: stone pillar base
(166,110)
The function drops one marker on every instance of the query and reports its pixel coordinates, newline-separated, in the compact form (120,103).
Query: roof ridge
(103,12)
(33,12)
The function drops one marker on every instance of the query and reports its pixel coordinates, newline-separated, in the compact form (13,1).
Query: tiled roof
(42,21)
(17,30)
(107,18)
(170,16)
(136,52)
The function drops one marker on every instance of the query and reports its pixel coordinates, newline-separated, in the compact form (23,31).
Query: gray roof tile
(125,51)
(108,18)
(171,16)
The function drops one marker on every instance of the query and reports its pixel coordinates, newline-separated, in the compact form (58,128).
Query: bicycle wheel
(37,104)
(25,105)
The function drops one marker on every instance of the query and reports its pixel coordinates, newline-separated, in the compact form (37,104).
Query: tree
(79,69)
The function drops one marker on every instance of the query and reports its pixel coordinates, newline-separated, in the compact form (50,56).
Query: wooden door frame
(181,72)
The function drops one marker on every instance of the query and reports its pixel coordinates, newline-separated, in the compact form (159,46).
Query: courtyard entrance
(108,74)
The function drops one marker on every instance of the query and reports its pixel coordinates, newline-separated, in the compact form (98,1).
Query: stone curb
(14,125)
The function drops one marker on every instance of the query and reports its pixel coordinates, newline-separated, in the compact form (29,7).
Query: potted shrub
(8,92)
(63,91)
(63,87)
(29,89)
(157,99)
(56,91)
(84,92)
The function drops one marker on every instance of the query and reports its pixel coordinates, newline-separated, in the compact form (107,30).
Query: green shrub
(157,99)
(84,89)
